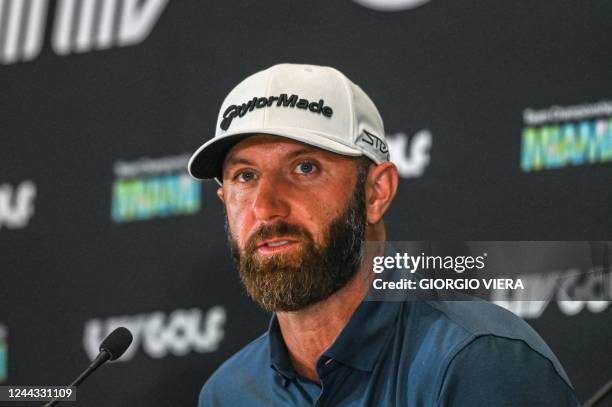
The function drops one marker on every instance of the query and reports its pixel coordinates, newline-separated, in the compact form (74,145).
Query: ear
(381,187)
(220,194)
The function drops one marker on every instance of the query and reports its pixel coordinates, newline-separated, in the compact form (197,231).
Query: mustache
(270,231)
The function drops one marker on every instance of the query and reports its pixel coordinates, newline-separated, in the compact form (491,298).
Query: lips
(275,245)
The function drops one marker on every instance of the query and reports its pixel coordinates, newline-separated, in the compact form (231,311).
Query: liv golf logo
(158,334)
(78,25)
(411,155)
(154,188)
(574,290)
(16,204)
(566,136)
(391,5)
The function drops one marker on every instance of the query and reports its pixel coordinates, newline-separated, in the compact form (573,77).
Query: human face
(299,246)
(267,179)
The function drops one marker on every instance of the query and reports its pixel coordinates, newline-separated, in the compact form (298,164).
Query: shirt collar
(366,335)
(359,344)
(279,355)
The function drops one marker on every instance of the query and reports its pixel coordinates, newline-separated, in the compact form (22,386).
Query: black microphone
(112,348)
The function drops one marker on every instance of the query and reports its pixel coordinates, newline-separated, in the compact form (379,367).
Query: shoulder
(489,347)
(238,372)
(494,370)
(476,318)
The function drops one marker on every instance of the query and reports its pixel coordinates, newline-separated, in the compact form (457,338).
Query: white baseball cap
(312,104)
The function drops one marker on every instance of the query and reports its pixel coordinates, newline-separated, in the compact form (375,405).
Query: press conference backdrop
(499,118)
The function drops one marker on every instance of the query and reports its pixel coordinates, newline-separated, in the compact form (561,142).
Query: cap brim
(207,161)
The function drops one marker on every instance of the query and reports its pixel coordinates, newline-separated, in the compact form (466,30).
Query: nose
(270,202)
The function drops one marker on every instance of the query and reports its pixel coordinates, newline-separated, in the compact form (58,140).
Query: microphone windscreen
(116,342)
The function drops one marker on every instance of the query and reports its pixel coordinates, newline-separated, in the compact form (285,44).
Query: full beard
(292,281)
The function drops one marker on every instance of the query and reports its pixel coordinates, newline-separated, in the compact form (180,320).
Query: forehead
(263,144)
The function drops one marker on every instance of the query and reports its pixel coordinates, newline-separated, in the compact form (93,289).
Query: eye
(245,176)
(306,168)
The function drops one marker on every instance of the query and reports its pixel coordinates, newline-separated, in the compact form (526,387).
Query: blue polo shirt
(411,353)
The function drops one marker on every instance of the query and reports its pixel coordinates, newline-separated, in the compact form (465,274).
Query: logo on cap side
(283,100)
(379,147)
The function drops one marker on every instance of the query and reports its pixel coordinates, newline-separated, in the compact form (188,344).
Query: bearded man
(305,179)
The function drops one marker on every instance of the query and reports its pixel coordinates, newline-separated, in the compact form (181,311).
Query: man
(305,179)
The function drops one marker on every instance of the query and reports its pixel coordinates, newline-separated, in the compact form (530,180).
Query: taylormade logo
(281,100)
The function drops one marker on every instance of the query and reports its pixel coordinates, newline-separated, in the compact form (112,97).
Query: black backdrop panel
(107,117)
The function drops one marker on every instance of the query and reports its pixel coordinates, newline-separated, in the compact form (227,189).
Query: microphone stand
(600,395)
(102,357)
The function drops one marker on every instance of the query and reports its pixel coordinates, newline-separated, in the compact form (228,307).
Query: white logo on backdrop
(179,333)
(78,26)
(410,162)
(391,5)
(16,204)
(557,286)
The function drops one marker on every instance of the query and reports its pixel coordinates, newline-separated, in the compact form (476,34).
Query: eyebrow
(246,161)
(235,161)
(301,151)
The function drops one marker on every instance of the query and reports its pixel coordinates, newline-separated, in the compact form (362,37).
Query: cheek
(237,210)
(317,211)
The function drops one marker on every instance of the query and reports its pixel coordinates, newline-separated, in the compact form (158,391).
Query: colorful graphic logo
(154,188)
(3,353)
(566,136)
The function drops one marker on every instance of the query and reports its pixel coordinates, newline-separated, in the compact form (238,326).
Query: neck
(310,332)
